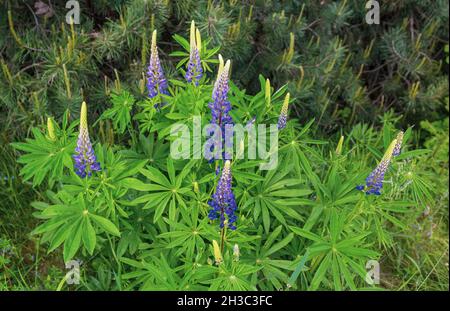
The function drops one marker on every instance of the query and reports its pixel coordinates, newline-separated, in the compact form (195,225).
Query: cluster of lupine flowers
(223,204)
(156,80)
(85,160)
(374,182)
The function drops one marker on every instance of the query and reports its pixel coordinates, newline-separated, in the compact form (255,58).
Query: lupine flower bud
(284,112)
(156,81)
(223,202)
(289,54)
(236,252)
(267,95)
(198,38)
(240,152)
(221,65)
(398,145)
(339,145)
(196,189)
(374,182)
(85,160)
(194,70)
(217,253)
(51,129)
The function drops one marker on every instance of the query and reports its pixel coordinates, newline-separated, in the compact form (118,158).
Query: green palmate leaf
(59,236)
(336,273)
(306,234)
(50,225)
(298,269)
(280,244)
(321,272)
(168,192)
(45,157)
(89,236)
(105,224)
(119,113)
(302,224)
(182,41)
(156,176)
(73,241)
(70,223)
(273,197)
(134,183)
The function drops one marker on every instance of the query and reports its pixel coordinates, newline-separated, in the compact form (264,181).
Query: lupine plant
(139,218)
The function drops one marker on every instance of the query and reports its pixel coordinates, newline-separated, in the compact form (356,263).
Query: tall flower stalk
(156,81)
(374,182)
(85,160)
(194,69)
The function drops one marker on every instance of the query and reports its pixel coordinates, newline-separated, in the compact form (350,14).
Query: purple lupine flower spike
(220,106)
(85,160)
(156,81)
(398,145)
(374,182)
(194,70)
(223,202)
(284,113)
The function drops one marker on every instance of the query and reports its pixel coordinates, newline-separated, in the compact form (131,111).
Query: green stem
(222,239)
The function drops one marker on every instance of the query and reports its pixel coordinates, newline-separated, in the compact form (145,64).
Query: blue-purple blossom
(194,69)
(284,113)
(398,145)
(374,182)
(220,106)
(223,203)
(156,81)
(85,160)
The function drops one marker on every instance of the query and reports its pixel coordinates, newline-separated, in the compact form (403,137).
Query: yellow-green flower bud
(339,145)
(217,253)
(267,94)
(196,189)
(51,129)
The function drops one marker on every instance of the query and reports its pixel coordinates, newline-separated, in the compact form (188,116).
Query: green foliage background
(357,80)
